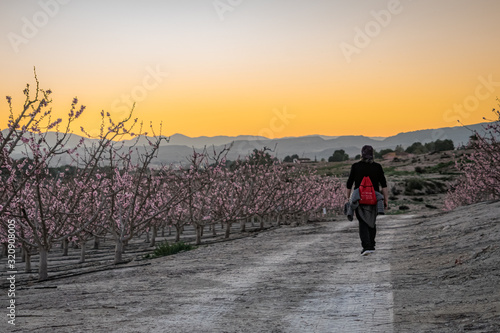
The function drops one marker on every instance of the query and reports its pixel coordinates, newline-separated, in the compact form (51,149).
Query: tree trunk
(27,261)
(177,234)
(82,252)
(5,250)
(65,247)
(118,251)
(42,270)
(22,253)
(214,232)
(243,225)
(96,243)
(228,230)
(261,223)
(153,236)
(199,234)
(162,231)
(147,237)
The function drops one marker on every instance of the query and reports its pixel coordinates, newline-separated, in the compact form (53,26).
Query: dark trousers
(367,236)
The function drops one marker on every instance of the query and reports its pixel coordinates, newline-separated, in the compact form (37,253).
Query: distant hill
(202,141)
(312,146)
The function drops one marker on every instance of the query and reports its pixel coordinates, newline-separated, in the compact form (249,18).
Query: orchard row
(109,189)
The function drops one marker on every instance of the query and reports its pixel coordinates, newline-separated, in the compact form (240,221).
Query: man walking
(367,213)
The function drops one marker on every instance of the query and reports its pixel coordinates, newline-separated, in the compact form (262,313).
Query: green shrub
(413,184)
(395,190)
(338,156)
(165,249)
(419,169)
(438,187)
(417,186)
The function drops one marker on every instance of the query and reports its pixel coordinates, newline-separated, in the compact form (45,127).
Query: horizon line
(375,137)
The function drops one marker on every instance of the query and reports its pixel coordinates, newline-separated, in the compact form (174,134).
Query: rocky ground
(446,274)
(432,272)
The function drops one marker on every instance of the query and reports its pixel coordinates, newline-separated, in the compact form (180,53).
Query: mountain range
(179,147)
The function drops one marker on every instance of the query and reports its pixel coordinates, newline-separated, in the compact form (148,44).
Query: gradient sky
(258,67)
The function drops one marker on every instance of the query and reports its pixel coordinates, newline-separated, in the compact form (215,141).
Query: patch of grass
(391,171)
(438,168)
(333,165)
(165,249)
(334,169)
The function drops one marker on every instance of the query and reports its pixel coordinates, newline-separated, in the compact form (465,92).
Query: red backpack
(367,192)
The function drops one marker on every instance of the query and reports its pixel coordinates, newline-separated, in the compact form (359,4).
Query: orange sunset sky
(258,67)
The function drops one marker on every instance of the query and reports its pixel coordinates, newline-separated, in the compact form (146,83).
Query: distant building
(303,160)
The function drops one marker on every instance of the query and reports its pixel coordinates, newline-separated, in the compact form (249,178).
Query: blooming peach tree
(481,169)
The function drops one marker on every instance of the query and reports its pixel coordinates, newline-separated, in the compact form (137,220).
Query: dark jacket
(373,170)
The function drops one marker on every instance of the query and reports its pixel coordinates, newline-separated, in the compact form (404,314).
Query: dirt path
(291,279)
(304,279)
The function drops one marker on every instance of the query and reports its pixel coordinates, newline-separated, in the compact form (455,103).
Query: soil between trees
(434,273)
